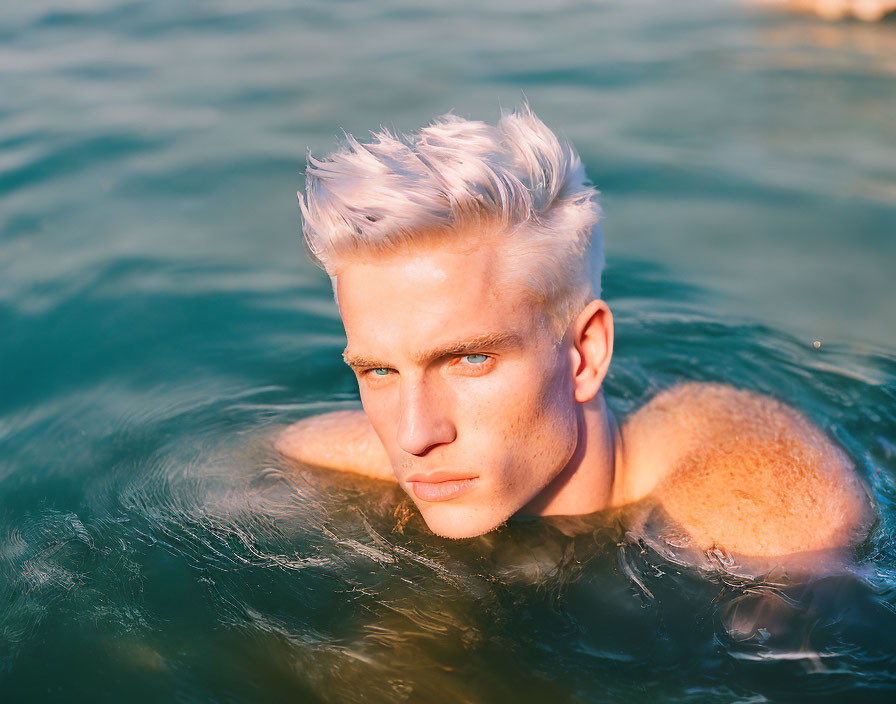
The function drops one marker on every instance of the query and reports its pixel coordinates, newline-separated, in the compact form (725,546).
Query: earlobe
(592,349)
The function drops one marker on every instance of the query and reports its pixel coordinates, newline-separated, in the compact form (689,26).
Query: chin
(458,524)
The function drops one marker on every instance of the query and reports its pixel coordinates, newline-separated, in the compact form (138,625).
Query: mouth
(439,486)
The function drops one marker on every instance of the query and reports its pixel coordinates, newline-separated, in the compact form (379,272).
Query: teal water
(160,323)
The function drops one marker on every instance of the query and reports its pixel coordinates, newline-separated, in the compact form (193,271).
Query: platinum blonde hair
(455,176)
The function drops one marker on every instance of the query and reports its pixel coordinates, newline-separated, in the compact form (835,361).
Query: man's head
(463,258)
(457,177)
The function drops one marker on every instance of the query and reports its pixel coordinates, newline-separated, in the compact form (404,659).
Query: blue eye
(380,371)
(475,358)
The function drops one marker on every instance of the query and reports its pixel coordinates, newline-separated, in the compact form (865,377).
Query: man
(466,262)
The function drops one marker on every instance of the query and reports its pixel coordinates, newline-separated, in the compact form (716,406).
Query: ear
(592,349)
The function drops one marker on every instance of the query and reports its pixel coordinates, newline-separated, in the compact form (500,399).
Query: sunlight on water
(160,324)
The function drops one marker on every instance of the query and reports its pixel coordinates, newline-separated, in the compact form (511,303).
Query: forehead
(405,302)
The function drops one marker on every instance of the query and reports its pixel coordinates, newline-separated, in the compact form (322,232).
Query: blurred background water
(159,322)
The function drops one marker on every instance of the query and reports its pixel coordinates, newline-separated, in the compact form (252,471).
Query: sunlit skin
(481,411)
(467,387)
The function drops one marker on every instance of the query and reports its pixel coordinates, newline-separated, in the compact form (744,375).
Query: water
(159,324)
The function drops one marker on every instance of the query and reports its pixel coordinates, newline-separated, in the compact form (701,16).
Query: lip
(438,476)
(440,485)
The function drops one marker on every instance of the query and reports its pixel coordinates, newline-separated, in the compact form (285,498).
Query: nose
(425,420)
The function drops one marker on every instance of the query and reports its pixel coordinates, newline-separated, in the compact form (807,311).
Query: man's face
(463,381)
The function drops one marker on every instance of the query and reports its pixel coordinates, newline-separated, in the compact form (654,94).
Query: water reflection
(867,10)
(842,47)
(159,323)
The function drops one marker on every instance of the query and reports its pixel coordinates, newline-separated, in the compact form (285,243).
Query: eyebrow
(489,342)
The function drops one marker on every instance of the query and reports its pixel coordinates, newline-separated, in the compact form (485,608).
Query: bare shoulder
(744,472)
(342,441)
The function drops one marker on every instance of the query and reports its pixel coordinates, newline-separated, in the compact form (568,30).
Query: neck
(587,482)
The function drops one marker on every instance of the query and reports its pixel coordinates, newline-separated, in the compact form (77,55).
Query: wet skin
(464,382)
(481,411)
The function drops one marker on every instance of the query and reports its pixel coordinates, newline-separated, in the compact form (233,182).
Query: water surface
(160,323)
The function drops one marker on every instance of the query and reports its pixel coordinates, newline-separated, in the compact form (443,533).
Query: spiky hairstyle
(455,176)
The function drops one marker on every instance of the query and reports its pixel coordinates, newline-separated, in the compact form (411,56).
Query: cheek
(557,421)
(554,394)
(540,419)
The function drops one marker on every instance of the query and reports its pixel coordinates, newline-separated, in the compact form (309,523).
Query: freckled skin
(745,473)
(733,469)
(509,426)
